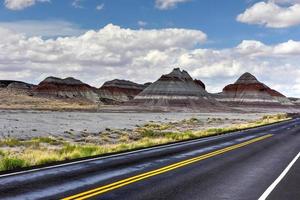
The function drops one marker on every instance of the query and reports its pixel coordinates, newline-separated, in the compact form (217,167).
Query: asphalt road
(234,166)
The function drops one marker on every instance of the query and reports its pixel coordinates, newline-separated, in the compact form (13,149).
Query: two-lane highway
(241,165)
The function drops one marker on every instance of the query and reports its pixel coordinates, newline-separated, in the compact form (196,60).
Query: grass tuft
(11,163)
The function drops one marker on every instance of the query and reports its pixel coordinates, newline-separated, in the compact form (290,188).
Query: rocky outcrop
(247,90)
(66,88)
(119,90)
(177,89)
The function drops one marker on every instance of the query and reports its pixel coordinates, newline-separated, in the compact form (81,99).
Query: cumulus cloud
(112,48)
(21,4)
(258,49)
(168,4)
(273,14)
(143,55)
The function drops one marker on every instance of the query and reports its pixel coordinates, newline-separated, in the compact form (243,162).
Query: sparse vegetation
(15,154)
(10,163)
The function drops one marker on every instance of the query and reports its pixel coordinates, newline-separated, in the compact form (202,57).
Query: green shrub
(87,150)
(68,148)
(48,140)
(11,163)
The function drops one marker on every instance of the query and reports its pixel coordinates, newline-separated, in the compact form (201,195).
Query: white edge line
(280,177)
(126,153)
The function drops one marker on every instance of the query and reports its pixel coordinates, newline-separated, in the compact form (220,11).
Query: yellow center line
(127,181)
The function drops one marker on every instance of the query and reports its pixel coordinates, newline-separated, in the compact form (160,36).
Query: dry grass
(16,154)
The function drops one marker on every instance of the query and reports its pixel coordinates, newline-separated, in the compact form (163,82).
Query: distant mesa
(59,81)
(177,89)
(20,86)
(247,90)
(120,90)
(6,83)
(66,88)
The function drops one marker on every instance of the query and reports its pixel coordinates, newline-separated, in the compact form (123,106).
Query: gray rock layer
(176,89)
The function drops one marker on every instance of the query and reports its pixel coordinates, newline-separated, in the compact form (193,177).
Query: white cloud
(168,4)
(52,28)
(100,6)
(258,49)
(288,48)
(93,53)
(77,3)
(142,23)
(143,55)
(21,4)
(285,1)
(273,14)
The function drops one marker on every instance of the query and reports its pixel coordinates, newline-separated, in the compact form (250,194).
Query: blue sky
(216,18)
(216,41)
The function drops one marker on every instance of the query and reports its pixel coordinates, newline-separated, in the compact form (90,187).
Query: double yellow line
(127,181)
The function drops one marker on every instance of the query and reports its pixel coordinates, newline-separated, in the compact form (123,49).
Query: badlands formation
(248,91)
(117,91)
(295,101)
(177,90)
(66,88)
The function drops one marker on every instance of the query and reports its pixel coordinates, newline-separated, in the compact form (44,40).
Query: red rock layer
(66,88)
(257,87)
(248,90)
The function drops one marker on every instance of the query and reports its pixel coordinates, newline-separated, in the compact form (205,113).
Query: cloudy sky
(98,40)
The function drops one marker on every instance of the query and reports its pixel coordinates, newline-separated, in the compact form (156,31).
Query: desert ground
(22,124)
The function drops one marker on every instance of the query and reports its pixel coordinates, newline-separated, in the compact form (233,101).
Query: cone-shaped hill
(177,89)
(248,90)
